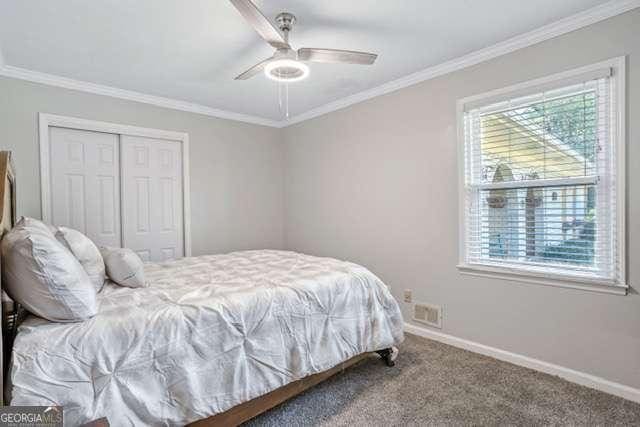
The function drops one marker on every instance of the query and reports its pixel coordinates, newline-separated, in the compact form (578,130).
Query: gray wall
(377,184)
(236,168)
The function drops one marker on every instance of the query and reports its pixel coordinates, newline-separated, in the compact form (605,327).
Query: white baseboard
(568,374)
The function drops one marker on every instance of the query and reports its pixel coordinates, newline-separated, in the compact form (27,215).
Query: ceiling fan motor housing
(284,66)
(285,21)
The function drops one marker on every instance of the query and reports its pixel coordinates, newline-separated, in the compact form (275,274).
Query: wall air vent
(428,314)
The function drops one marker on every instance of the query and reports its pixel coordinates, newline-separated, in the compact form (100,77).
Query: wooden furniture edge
(252,408)
(7,219)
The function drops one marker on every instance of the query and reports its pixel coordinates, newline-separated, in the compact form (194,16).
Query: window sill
(480,270)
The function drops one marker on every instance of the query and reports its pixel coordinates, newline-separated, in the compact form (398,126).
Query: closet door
(85,183)
(152,203)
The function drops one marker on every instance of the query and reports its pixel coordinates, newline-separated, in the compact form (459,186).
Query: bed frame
(12,314)
(7,219)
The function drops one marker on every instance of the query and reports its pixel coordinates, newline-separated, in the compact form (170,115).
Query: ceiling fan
(286,64)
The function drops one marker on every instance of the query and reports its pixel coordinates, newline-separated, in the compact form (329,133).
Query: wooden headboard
(7,220)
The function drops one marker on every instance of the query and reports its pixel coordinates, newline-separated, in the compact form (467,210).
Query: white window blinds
(540,183)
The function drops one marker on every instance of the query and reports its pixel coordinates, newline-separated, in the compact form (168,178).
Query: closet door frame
(52,120)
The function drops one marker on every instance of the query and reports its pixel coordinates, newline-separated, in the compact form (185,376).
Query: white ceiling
(192,50)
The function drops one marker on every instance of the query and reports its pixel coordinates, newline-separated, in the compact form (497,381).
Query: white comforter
(209,333)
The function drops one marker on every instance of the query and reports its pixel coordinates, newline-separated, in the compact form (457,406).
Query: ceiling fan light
(286,70)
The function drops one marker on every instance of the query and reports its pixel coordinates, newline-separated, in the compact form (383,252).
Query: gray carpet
(436,384)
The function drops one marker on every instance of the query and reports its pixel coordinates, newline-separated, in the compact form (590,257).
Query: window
(543,180)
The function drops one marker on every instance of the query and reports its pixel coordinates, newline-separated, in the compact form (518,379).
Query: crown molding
(549,31)
(98,89)
(555,29)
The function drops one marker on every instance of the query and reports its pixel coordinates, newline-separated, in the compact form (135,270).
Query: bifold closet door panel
(85,183)
(152,217)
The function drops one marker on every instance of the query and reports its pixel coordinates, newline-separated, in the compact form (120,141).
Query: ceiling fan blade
(260,23)
(254,70)
(336,56)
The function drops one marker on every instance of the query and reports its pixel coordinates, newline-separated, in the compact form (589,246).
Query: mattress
(209,332)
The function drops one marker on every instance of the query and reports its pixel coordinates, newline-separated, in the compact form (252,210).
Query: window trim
(618,133)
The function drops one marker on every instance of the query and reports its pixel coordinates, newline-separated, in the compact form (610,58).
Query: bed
(214,340)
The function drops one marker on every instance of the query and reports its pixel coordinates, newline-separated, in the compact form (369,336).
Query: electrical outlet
(408,295)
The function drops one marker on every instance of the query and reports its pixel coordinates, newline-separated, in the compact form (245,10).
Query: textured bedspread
(209,333)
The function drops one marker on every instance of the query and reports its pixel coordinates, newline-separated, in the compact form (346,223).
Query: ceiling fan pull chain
(283,98)
(286,86)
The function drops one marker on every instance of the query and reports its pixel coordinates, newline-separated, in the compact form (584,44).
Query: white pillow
(43,276)
(33,223)
(124,267)
(86,252)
